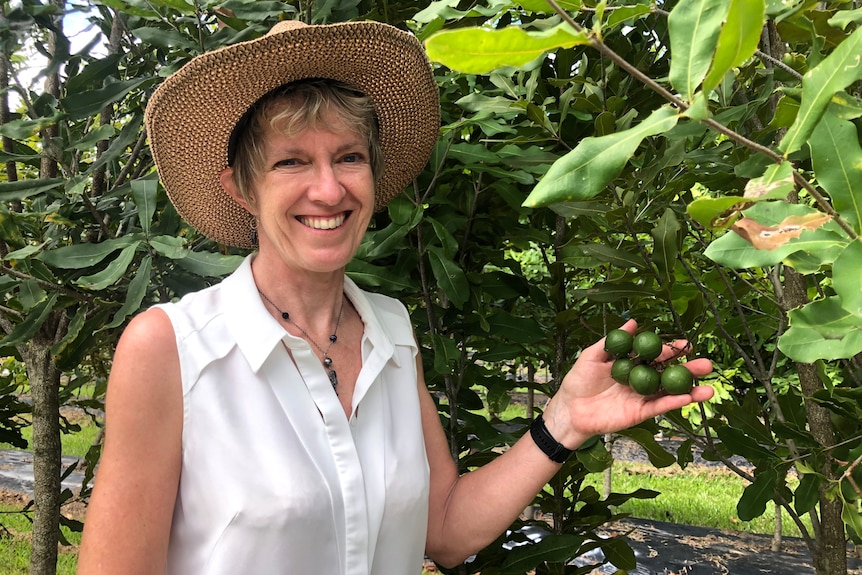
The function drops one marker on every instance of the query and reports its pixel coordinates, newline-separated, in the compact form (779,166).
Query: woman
(278,422)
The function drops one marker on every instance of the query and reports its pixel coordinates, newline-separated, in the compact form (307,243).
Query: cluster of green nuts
(635,364)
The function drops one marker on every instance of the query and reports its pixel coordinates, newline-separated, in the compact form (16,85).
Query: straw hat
(191,115)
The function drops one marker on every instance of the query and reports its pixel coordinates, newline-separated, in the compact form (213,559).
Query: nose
(326,188)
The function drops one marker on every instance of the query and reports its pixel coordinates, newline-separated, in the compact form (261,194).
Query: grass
(15,527)
(73,444)
(15,544)
(697,496)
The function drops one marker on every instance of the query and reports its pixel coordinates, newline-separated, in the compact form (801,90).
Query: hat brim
(191,115)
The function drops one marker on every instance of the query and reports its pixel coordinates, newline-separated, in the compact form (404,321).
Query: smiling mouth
(321,223)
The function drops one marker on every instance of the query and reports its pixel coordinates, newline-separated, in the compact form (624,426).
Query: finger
(702,393)
(699,367)
(661,404)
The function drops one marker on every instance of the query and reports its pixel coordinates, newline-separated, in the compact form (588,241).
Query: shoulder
(147,340)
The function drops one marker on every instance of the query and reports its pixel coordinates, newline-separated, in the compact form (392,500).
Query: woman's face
(313,199)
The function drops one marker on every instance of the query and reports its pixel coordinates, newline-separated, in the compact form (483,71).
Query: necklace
(327,361)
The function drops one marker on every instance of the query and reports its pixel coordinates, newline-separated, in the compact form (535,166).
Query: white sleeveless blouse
(275,479)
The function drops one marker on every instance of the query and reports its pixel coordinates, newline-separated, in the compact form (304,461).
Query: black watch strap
(555,450)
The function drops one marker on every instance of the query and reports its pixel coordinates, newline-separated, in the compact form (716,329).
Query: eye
(286,163)
(353,158)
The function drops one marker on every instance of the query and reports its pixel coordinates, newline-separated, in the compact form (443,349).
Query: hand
(589,402)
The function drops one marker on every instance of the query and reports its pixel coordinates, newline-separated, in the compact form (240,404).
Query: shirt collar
(257,333)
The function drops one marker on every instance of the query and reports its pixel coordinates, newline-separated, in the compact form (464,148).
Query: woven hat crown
(192,114)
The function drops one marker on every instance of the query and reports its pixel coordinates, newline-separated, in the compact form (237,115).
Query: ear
(229,185)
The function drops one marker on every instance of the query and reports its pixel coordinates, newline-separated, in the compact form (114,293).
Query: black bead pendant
(327,361)
(333,338)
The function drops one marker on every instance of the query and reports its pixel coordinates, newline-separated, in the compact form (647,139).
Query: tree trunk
(830,555)
(45,389)
(45,386)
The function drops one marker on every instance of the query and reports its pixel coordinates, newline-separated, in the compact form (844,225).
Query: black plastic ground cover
(671,549)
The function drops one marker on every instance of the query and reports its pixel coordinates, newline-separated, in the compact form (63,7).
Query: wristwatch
(555,450)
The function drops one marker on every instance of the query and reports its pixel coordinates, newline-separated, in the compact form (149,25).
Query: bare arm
(467,513)
(129,516)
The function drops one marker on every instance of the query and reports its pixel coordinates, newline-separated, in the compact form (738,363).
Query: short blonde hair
(293,108)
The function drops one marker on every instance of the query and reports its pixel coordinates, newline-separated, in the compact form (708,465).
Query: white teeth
(323,223)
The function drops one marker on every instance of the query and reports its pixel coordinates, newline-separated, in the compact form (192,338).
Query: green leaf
(112,272)
(23,189)
(25,253)
(500,352)
(585,171)
(741,444)
(665,236)
(135,294)
(807,493)
(847,277)
(254,10)
(166,39)
(733,251)
(612,256)
(209,264)
(382,243)
(542,7)
(482,50)
(844,17)
(837,159)
(119,145)
(595,458)
(30,294)
(748,422)
(26,128)
(9,231)
(24,330)
(822,329)
(646,439)
(776,183)
(174,247)
(738,40)
(447,240)
(552,548)
(450,277)
(524,330)
(781,7)
(693,28)
(614,291)
(93,137)
(370,275)
(60,350)
(852,518)
(834,73)
(620,553)
(93,74)
(80,256)
(625,14)
(446,353)
(83,104)
(754,498)
(715,213)
(144,193)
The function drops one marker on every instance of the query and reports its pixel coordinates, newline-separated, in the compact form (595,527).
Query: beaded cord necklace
(327,361)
